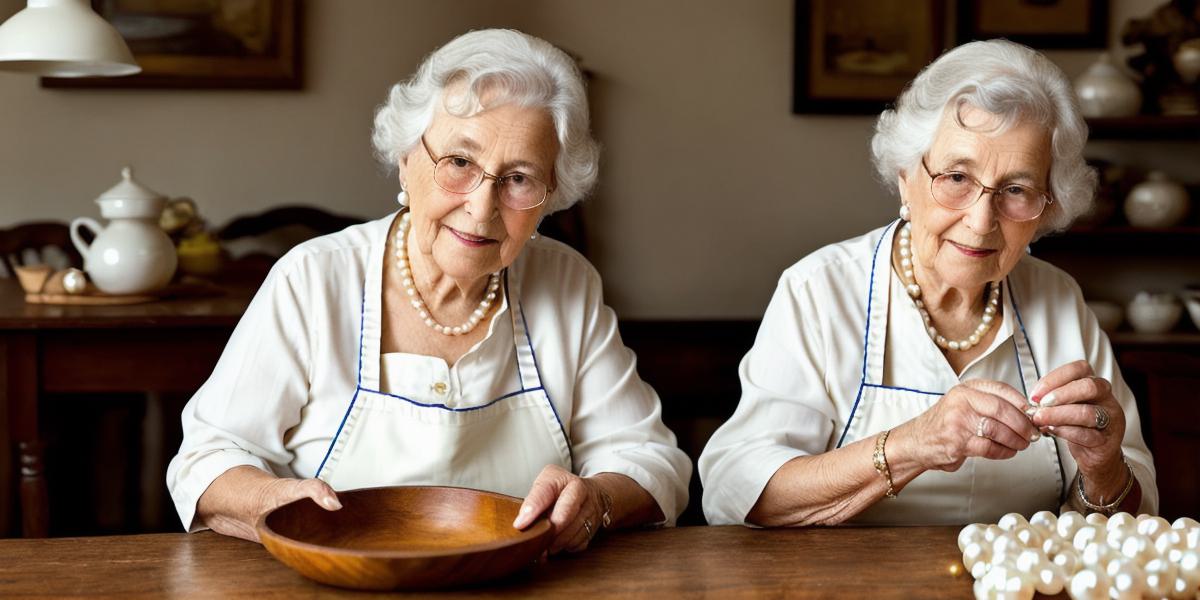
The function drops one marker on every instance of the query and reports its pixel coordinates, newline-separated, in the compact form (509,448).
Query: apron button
(440,388)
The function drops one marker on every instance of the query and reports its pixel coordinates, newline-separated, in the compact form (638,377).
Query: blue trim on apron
(514,306)
(866,332)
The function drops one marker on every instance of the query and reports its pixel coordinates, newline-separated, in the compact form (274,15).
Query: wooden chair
(41,242)
(255,242)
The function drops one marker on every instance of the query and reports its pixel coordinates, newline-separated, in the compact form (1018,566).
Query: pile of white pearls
(1091,558)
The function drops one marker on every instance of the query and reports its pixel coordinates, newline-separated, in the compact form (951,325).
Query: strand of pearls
(914,291)
(410,288)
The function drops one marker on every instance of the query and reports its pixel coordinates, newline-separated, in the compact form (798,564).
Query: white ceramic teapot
(132,255)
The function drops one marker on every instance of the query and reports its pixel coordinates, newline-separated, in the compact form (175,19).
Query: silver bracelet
(1111,507)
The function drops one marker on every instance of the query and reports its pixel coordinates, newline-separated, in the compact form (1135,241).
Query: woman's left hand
(577,504)
(1078,407)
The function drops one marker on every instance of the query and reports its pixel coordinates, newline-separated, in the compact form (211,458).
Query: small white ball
(1185,523)
(1049,579)
(74,281)
(1088,585)
(1160,576)
(1097,519)
(1044,517)
(1096,555)
(1116,536)
(1170,545)
(1189,568)
(975,552)
(1152,526)
(1010,521)
(1138,549)
(1068,561)
(1028,536)
(1085,536)
(991,532)
(1069,523)
(1128,582)
(1121,519)
(970,533)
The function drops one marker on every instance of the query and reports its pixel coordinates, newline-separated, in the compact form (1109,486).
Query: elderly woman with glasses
(446,344)
(931,371)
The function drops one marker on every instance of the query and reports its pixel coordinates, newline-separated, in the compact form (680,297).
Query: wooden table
(686,562)
(167,346)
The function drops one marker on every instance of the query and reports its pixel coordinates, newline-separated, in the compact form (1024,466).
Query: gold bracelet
(1111,507)
(881,464)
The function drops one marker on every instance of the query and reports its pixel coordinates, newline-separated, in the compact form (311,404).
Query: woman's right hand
(975,418)
(233,502)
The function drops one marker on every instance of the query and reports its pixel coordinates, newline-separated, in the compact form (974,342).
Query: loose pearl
(1170,545)
(1160,576)
(1049,579)
(1088,585)
(1185,523)
(1069,523)
(1122,519)
(1138,549)
(991,533)
(970,533)
(1068,561)
(1087,535)
(1095,556)
(1128,582)
(1028,536)
(1152,527)
(975,552)
(1189,568)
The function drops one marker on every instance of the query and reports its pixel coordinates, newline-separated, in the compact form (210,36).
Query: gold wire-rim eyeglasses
(999,203)
(501,180)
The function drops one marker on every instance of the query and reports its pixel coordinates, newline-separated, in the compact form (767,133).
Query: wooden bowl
(404,537)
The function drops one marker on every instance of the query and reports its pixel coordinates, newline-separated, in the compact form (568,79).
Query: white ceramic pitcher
(132,255)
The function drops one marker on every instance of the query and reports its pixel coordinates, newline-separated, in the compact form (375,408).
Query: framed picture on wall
(1037,23)
(204,44)
(855,56)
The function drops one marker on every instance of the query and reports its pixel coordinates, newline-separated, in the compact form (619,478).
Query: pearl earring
(904,212)
(402,198)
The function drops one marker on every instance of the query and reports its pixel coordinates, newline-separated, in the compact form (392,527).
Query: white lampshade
(63,38)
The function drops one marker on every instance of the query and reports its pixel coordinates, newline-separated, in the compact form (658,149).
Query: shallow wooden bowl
(404,537)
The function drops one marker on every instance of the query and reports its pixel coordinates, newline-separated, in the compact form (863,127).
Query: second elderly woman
(447,343)
(931,371)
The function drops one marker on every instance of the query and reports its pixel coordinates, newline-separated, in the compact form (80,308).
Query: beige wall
(710,186)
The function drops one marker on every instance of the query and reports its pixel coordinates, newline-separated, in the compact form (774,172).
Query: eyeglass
(958,191)
(461,175)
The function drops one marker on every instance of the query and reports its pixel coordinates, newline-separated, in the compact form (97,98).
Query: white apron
(981,490)
(499,446)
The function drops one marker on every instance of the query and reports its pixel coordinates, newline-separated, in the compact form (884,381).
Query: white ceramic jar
(1153,312)
(1187,61)
(1105,91)
(132,255)
(1156,202)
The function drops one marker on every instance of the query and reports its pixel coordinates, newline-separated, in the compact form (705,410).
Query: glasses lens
(521,191)
(457,174)
(955,190)
(1021,203)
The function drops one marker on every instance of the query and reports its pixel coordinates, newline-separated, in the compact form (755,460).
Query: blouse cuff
(729,500)
(193,481)
(663,493)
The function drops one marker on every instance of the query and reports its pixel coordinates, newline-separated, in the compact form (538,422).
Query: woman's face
(967,248)
(471,235)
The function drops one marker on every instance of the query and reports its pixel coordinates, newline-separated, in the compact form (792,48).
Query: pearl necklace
(914,291)
(410,288)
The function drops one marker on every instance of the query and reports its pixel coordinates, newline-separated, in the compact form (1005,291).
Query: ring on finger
(979,427)
(1101,418)
(587,526)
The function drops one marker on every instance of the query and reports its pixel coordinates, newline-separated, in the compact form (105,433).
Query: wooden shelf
(1125,240)
(1187,337)
(1145,127)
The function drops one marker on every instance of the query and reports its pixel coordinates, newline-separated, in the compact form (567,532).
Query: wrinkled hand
(575,501)
(948,433)
(269,493)
(1067,400)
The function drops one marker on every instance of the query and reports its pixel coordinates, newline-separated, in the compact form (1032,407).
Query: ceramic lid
(129,189)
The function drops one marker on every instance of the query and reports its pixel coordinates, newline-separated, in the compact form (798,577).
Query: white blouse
(290,369)
(800,378)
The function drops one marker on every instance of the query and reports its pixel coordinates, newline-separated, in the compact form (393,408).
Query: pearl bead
(1086,536)
(970,533)
(941,341)
(1069,523)
(1088,585)
(1185,523)
(913,290)
(906,263)
(401,253)
(1152,527)
(904,252)
(1122,519)
(953,345)
(908,274)
(973,339)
